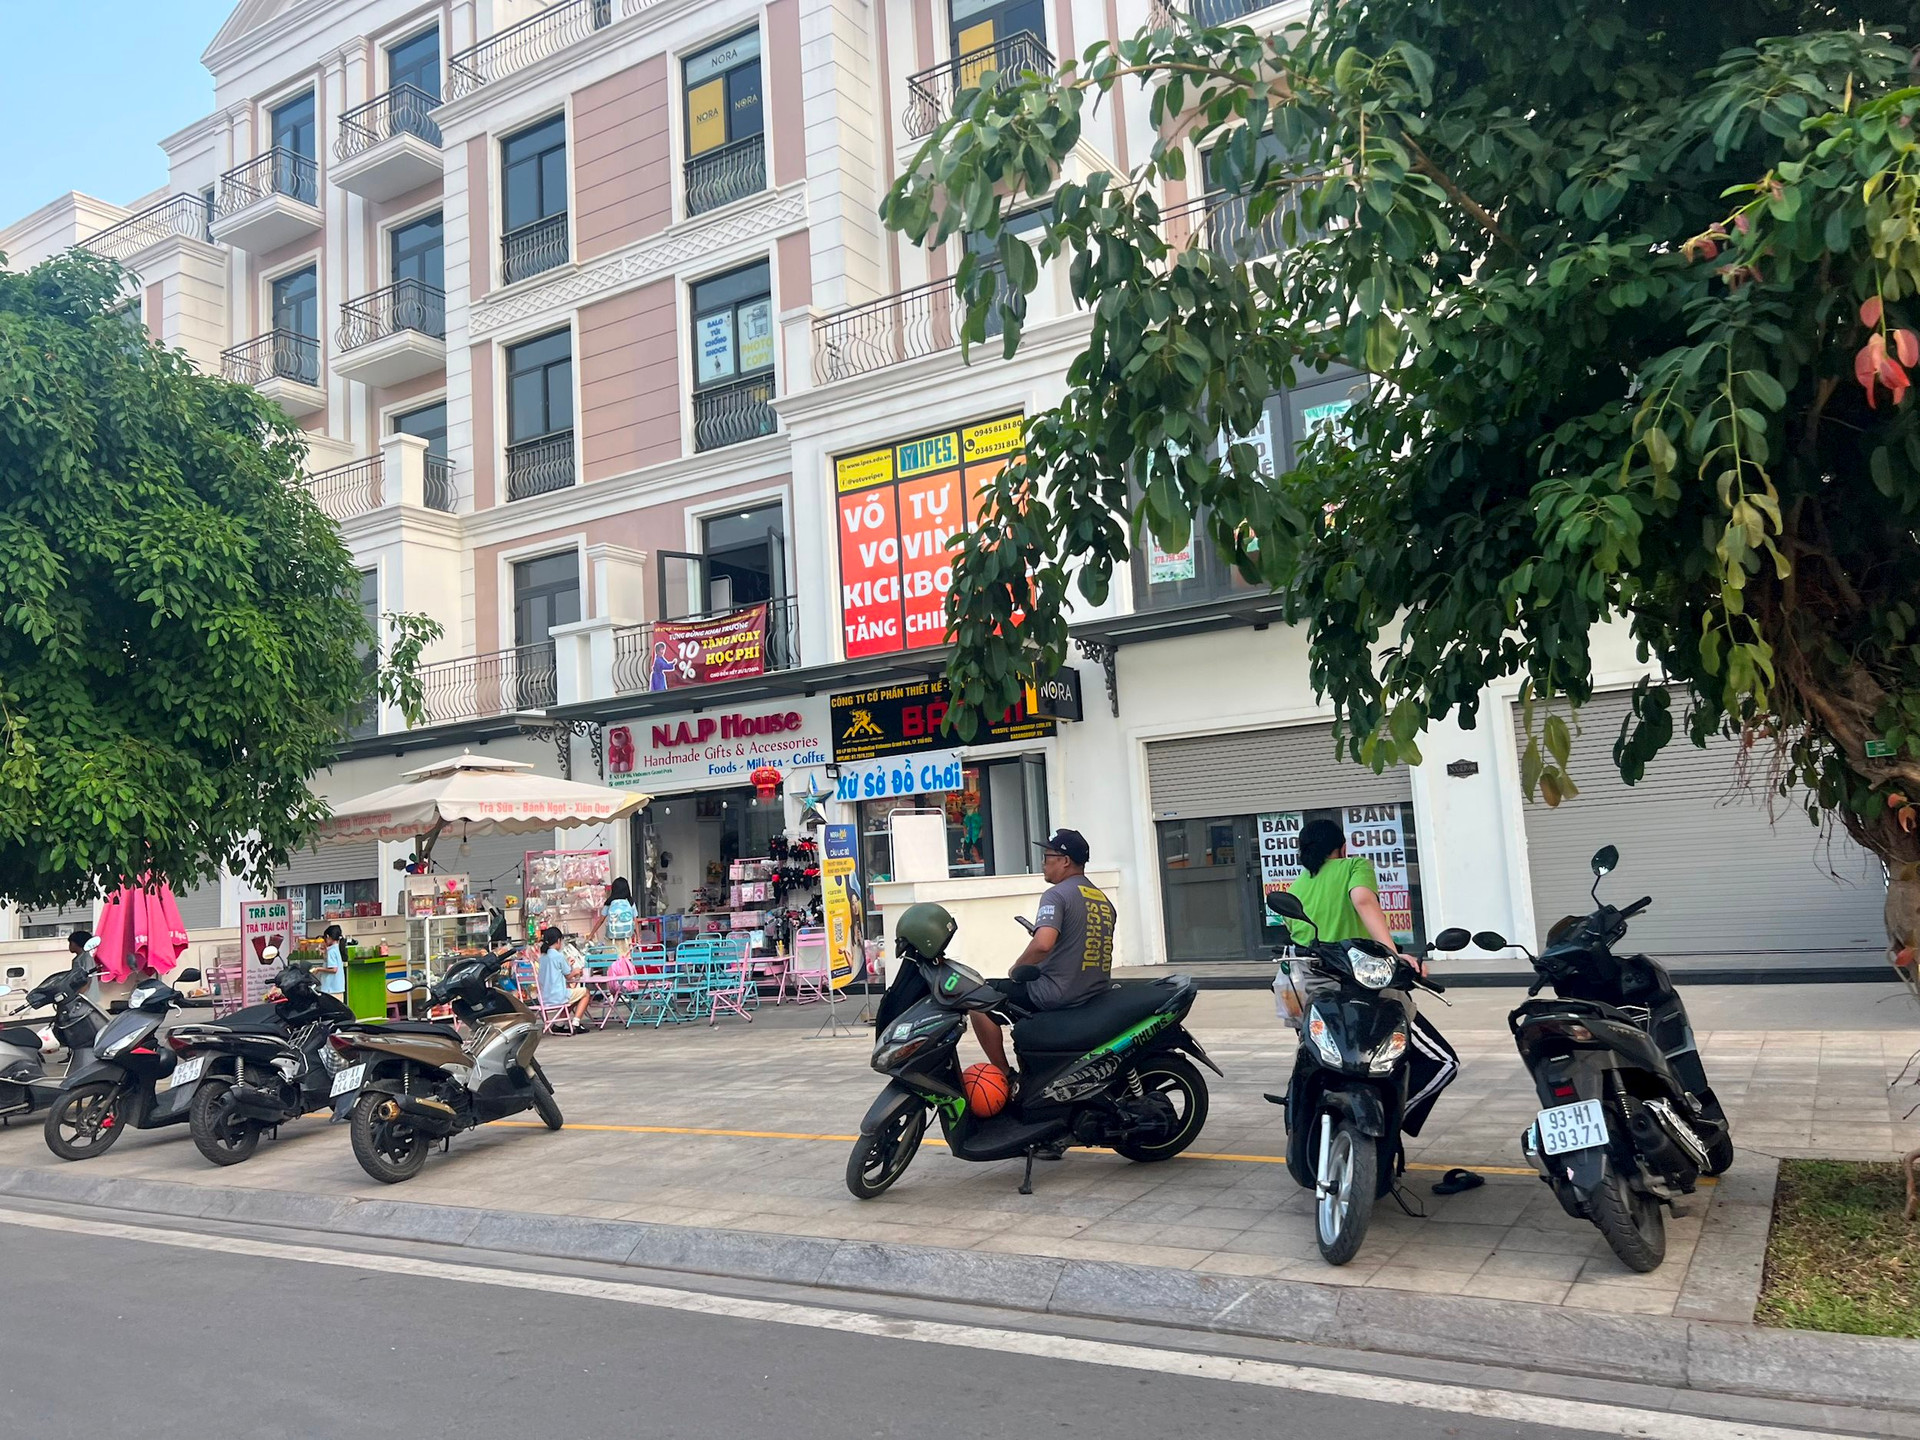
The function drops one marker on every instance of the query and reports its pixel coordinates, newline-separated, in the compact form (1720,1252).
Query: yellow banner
(857,472)
(707,117)
(993,437)
(935,452)
(841,905)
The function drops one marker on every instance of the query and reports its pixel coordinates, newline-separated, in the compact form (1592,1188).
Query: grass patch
(1840,1256)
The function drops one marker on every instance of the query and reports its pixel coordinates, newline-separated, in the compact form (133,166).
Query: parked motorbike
(128,1081)
(1347,1102)
(27,1084)
(1630,1122)
(262,1067)
(1108,1071)
(420,1080)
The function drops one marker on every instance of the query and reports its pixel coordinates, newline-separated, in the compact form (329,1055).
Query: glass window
(429,422)
(415,61)
(993,820)
(744,555)
(293,126)
(296,303)
(1026,224)
(732,326)
(534,173)
(722,85)
(546,593)
(540,387)
(367,722)
(417,253)
(978,24)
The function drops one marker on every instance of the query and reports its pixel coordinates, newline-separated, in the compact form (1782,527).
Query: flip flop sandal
(1456,1180)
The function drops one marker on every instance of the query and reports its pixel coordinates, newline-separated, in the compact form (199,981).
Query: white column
(404,470)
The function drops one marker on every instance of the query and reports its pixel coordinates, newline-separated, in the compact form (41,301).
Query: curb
(1685,1353)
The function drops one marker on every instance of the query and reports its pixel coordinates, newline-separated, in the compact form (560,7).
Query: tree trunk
(1903,921)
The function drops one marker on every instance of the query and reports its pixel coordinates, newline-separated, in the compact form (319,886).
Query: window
(1226,226)
(416,252)
(533,199)
(293,139)
(540,415)
(980,24)
(745,555)
(415,61)
(726,154)
(367,722)
(733,358)
(546,593)
(993,820)
(296,327)
(429,422)
(1027,224)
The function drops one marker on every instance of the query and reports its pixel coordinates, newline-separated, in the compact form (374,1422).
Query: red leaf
(1870,311)
(1742,224)
(1889,371)
(1908,345)
(1865,362)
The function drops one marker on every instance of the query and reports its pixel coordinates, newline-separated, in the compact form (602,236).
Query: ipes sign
(714,748)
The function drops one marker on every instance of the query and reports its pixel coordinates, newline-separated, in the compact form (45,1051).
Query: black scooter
(1630,1121)
(25,1085)
(119,1087)
(264,1066)
(1347,1101)
(1105,1072)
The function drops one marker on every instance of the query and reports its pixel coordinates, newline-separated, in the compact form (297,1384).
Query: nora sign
(717,748)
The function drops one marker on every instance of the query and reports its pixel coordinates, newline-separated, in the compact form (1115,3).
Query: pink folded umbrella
(140,925)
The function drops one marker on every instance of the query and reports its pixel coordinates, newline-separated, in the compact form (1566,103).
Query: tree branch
(1423,163)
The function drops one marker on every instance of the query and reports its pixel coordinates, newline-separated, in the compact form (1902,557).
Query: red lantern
(766,782)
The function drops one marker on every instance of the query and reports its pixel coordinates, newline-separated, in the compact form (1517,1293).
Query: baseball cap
(1070,843)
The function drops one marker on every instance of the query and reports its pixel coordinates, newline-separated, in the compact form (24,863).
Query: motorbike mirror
(272,952)
(188,976)
(1605,860)
(93,944)
(1286,904)
(1452,938)
(1025,924)
(402,986)
(1491,940)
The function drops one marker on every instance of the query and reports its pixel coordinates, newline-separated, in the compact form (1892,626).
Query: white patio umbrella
(479,792)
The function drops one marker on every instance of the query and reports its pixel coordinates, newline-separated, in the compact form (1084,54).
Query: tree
(181,637)
(1636,282)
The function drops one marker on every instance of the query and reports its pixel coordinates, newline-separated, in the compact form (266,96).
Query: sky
(89,87)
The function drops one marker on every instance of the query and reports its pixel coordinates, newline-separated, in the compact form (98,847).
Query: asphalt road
(102,1335)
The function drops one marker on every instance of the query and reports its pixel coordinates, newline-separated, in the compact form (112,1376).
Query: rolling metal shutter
(317,864)
(55,920)
(1725,880)
(200,907)
(1249,771)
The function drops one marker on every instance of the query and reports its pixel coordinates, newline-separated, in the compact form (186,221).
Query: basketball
(986,1090)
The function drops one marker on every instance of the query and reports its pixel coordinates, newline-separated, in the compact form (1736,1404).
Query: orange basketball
(986,1089)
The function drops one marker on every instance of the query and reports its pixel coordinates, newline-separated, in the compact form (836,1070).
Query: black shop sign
(901,719)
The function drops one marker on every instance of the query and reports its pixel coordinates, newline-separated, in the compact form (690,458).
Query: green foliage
(180,627)
(398,683)
(1609,262)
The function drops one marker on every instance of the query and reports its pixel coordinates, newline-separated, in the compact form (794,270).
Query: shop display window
(993,820)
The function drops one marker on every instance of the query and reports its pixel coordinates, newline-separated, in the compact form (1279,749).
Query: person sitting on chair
(558,987)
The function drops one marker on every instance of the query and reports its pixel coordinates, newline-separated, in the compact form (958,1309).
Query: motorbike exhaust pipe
(1659,1148)
(253,1103)
(1680,1132)
(435,1117)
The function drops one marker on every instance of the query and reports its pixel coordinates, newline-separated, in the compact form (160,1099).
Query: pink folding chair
(811,973)
(527,981)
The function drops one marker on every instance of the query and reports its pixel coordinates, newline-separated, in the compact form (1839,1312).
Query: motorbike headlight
(1322,1038)
(1389,1053)
(891,1056)
(1370,970)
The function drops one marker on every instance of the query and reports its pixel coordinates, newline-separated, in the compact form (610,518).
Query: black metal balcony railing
(403,305)
(533,248)
(726,174)
(540,465)
(279,171)
(184,216)
(922,321)
(1218,221)
(279,354)
(438,484)
(931,93)
(403,110)
(1225,12)
(727,414)
(633,646)
(486,685)
(355,488)
(547,33)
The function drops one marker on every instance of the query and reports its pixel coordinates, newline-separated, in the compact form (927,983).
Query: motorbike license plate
(1579,1126)
(347,1081)
(187,1071)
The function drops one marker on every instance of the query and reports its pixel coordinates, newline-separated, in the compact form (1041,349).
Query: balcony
(392,335)
(178,217)
(727,414)
(270,201)
(633,660)
(547,33)
(360,487)
(389,145)
(1218,222)
(931,93)
(282,365)
(348,491)
(533,248)
(730,173)
(922,321)
(540,466)
(484,686)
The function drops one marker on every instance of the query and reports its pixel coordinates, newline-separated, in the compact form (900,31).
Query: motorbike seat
(416,1027)
(244,1024)
(23,1037)
(1100,1017)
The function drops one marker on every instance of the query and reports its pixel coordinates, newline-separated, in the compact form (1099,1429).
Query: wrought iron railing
(517,47)
(539,465)
(184,216)
(633,658)
(726,174)
(282,354)
(278,171)
(438,483)
(533,248)
(1225,12)
(403,305)
(740,410)
(930,94)
(922,321)
(403,110)
(1218,221)
(482,686)
(355,488)
(1162,16)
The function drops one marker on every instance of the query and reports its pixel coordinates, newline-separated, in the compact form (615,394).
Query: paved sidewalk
(748,1128)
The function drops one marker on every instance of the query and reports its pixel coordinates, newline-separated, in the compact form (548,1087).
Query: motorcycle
(1108,1071)
(25,1084)
(421,1080)
(119,1087)
(1347,1101)
(1629,1122)
(262,1067)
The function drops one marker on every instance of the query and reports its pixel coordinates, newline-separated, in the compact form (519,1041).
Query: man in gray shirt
(1072,944)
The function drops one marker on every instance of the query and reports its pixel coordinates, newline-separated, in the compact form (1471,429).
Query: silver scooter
(35,1061)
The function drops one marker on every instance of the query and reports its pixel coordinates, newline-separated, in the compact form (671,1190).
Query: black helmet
(925,929)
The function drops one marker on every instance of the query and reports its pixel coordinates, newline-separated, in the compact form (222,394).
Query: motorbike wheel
(881,1158)
(218,1133)
(388,1150)
(1343,1207)
(1636,1231)
(1173,1080)
(545,1106)
(84,1121)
